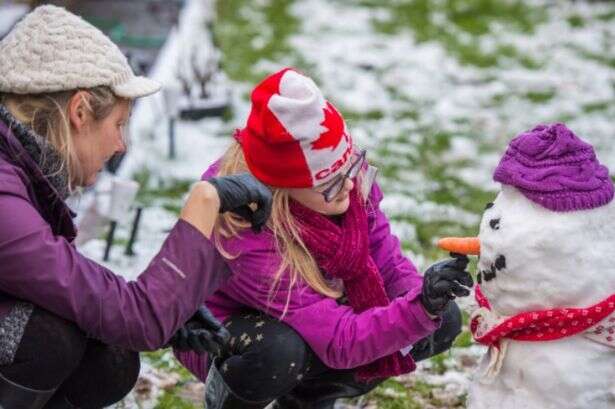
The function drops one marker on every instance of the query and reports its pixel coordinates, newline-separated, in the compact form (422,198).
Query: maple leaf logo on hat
(335,129)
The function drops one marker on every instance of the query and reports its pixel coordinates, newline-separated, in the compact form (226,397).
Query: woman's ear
(78,111)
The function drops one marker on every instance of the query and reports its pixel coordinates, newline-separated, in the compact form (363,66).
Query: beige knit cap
(53,50)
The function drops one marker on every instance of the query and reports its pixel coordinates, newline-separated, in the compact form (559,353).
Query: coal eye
(500,262)
(489,205)
(495,224)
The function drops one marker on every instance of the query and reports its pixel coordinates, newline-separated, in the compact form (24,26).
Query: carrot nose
(460,245)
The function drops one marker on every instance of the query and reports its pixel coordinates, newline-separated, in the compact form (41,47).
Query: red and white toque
(293,137)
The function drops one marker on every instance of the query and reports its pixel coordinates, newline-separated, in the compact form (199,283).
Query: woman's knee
(106,374)
(49,351)
(269,358)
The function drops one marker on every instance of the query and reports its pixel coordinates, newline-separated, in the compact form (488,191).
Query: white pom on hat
(54,50)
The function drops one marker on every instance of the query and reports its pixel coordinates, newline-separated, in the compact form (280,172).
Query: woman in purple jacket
(322,304)
(68,326)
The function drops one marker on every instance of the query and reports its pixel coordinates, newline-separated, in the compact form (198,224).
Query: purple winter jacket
(340,337)
(40,264)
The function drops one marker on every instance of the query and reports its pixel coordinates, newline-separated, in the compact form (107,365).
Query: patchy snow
(10,13)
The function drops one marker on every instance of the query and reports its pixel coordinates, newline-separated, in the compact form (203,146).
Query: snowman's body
(536,259)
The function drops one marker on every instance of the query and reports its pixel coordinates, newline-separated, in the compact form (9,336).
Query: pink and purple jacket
(340,337)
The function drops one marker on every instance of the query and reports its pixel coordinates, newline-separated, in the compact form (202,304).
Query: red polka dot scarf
(597,322)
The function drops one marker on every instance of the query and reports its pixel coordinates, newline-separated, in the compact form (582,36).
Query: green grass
(166,193)
(609,15)
(464,340)
(169,400)
(598,106)
(464,23)
(540,96)
(576,21)
(248,38)
(401,399)
(164,359)
(445,187)
(392,394)
(605,59)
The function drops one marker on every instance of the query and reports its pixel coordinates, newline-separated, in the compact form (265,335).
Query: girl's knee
(269,358)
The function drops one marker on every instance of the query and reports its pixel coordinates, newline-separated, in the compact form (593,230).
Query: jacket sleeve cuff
(423,319)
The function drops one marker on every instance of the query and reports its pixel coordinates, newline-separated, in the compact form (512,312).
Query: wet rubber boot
(14,396)
(288,402)
(60,403)
(219,396)
(317,395)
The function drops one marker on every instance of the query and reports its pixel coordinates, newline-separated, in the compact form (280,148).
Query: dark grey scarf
(44,154)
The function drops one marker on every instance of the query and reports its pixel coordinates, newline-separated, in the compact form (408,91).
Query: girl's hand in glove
(444,281)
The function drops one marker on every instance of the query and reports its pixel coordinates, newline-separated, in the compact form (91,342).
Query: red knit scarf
(546,325)
(343,252)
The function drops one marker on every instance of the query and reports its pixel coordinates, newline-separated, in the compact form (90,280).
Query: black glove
(444,281)
(236,192)
(202,333)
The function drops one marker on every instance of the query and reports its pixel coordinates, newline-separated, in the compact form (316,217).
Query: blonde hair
(296,258)
(47,116)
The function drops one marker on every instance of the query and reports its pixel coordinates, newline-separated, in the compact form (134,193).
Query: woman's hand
(202,333)
(237,192)
(443,282)
(202,207)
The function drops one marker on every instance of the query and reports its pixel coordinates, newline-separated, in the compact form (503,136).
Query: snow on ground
(434,123)
(10,13)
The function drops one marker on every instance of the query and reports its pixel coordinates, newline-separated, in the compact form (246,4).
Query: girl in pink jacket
(321,304)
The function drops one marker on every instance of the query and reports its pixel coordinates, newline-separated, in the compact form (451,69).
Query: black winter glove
(202,333)
(236,192)
(444,281)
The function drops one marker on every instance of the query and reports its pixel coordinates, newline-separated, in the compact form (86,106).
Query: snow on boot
(14,396)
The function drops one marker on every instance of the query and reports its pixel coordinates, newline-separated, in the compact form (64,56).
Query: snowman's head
(547,239)
(534,258)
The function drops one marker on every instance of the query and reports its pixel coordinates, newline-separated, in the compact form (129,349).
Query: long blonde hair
(47,116)
(296,258)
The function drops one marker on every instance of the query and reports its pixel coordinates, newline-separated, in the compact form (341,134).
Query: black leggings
(270,361)
(54,353)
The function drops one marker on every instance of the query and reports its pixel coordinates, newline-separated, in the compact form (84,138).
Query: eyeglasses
(338,183)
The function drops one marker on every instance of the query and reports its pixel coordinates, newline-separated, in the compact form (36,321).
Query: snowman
(547,279)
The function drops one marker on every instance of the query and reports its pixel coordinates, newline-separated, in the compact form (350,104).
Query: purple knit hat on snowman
(553,167)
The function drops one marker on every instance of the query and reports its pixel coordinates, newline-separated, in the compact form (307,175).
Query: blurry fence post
(133,233)
(123,194)
(171,97)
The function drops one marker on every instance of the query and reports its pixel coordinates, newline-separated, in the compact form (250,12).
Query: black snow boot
(219,396)
(318,395)
(59,402)
(14,396)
